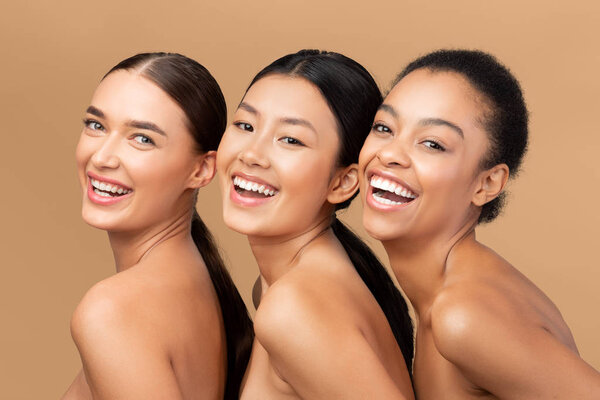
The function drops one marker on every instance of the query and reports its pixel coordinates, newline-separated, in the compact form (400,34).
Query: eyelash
(244,126)
(380,128)
(434,145)
(292,141)
(88,122)
(139,135)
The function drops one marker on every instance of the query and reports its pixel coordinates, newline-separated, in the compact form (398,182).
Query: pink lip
(371,202)
(101,200)
(249,201)
(107,180)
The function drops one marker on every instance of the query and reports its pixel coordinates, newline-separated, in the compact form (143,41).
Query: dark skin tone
(484,330)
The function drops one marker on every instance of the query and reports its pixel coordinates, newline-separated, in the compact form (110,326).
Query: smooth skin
(484,330)
(154,329)
(320,334)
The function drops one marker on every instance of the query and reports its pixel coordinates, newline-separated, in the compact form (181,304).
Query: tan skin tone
(320,334)
(132,344)
(484,330)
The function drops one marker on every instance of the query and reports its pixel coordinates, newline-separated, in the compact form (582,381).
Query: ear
(343,185)
(491,182)
(204,170)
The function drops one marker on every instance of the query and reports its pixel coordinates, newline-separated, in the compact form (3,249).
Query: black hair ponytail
(375,276)
(235,316)
(354,97)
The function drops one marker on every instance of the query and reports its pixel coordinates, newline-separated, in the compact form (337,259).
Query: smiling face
(135,155)
(420,166)
(277,159)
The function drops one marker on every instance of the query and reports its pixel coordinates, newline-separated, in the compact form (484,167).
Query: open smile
(106,191)
(251,191)
(385,193)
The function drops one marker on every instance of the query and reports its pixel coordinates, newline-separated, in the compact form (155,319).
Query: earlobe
(204,170)
(343,185)
(491,184)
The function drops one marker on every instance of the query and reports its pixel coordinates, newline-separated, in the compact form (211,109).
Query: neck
(420,265)
(277,255)
(130,247)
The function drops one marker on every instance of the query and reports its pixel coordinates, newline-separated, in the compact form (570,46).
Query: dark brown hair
(199,96)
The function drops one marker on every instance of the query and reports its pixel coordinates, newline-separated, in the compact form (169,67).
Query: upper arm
(318,353)
(500,351)
(121,354)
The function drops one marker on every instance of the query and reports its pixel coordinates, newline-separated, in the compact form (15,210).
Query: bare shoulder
(136,301)
(112,304)
(495,326)
(316,347)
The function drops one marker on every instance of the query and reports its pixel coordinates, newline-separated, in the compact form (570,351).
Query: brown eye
(378,127)
(244,126)
(432,144)
(291,140)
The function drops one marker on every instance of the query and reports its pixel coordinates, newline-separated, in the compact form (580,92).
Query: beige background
(54,53)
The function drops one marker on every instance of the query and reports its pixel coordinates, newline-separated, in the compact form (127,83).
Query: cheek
(83,153)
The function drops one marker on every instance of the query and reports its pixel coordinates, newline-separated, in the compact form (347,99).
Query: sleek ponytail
(238,325)
(375,276)
(199,96)
(353,97)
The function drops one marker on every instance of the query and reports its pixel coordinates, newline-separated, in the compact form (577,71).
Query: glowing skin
(287,142)
(411,146)
(146,159)
(139,169)
(284,137)
(484,330)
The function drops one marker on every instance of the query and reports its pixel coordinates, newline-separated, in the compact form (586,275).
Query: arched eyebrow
(442,122)
(146,125)
(425,121)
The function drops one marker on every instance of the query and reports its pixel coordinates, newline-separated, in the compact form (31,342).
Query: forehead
(439,94)
(280,97)
(127,95)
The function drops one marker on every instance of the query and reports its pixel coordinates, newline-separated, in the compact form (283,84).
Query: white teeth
(389,186)
(252,186)
(105,187)
(385,201)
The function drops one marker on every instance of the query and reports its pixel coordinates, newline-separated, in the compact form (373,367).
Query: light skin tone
(320,334)
(484,330)
(132,344)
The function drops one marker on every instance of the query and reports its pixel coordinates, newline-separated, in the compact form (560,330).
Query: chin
(381,229)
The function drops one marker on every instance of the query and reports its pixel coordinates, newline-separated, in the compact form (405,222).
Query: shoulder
(466,315)
(295,305)
(127,303)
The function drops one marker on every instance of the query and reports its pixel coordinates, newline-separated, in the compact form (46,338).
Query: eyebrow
(284,120)
(94,111)
(389,109)
(146,125)
(426,121)
(442,122)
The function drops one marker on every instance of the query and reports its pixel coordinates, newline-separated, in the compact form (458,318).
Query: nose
(394,154)
(106,155)
(254,153)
